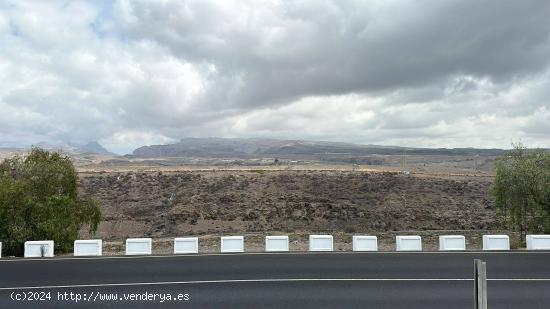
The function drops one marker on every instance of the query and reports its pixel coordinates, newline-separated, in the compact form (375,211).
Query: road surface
(293,280)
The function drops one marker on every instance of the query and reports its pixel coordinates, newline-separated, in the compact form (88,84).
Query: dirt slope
(208,202)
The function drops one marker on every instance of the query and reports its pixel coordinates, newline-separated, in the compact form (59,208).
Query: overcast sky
(411,73)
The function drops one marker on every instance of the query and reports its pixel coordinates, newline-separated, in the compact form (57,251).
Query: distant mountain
(75,148)
(56,147)
(256,147)
(91,147)
(209,147)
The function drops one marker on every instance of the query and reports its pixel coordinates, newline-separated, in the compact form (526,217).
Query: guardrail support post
(480,285)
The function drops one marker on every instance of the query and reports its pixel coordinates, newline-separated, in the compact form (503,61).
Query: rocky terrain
(160,205)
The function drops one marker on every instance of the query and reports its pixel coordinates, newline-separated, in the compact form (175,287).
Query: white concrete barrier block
(139,246)
(320,243)
(538,242)
(408,243)
(276,243)
(496,242)
(232,244)
(88,247)
(365,243)
(185,245)
(452,243)
(39,248)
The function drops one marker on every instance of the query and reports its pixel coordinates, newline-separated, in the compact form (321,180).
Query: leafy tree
(39,200)
(522,190)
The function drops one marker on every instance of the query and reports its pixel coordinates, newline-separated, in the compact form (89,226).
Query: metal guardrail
(480,285)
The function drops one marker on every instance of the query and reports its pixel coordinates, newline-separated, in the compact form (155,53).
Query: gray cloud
(288,51)
(423,73)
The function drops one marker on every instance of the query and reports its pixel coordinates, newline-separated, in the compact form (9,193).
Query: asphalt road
(309,280)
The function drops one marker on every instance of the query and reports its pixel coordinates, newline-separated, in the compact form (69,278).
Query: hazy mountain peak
(91,147)
(72,147)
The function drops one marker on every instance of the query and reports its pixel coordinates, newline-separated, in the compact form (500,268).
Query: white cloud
(122,140)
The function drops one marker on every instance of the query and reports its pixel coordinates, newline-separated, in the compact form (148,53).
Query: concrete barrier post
(538,242)
(452,243)
(229,244)
(40,248)
(408,243)
(276,244)
(321,243)
(186,245)
(88,247)
(365,243)
(139,246)
(496,242)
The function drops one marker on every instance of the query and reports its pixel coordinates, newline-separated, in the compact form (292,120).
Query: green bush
(39,201)
(522,190)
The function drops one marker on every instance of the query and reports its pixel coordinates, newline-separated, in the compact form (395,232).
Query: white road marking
(224,281)
(256,280)
(64,258)
(519,279)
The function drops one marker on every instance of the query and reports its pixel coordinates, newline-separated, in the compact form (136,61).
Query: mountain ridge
(231,147)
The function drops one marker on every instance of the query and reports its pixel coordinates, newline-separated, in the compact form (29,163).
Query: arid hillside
(220,202)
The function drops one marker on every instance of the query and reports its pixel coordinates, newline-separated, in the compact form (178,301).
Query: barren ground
(258,202)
